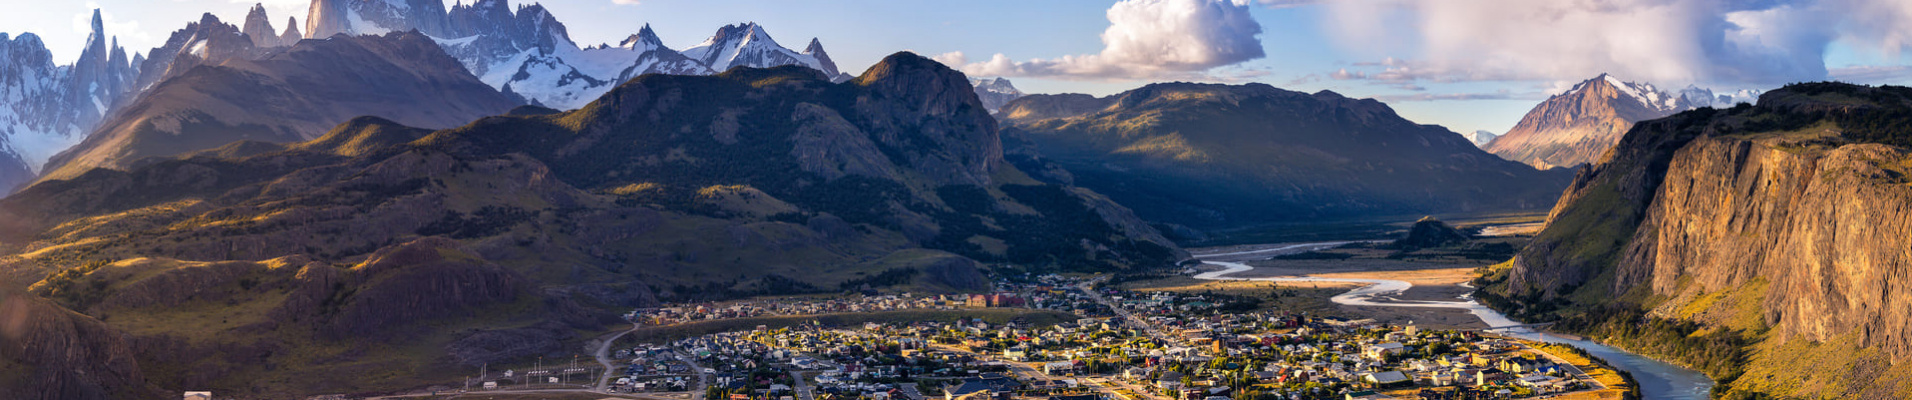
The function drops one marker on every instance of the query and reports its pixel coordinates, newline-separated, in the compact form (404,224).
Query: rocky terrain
(1759,243)
(271,270)
(1230,156)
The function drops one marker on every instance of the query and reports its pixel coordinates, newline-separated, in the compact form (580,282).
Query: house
(1018,353)
(1059,368)
(198,396)
(1135,373)
(1169,380)
(1490,375)
(1388,379)
(1381,351)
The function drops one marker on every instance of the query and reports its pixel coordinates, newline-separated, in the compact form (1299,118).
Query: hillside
(1219,156)
(1760,244)
(292,94)
(504,238)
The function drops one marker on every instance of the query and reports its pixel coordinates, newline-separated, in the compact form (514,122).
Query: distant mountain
(1222,156)
(1578,126)
(527,52)
(208,41)
(747,45)
(258,26)
(45,108)
(292,94)
(995,92)
(1481,138)
(545,223)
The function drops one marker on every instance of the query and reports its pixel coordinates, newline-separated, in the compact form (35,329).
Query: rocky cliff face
(1786,221)
(259,28)
(206,42)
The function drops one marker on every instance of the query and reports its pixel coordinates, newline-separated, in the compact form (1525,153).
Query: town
(1121,345)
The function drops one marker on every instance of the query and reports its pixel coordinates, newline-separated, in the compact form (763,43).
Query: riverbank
(1656,379)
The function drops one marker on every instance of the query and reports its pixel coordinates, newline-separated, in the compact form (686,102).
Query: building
(987,386)
(1388,379)
(1381,351)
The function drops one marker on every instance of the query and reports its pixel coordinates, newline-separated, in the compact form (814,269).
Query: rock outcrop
(1430,233)
(55,354)
(1802,200)
(259,28)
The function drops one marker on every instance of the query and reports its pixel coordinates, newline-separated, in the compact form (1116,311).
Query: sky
(1464,64)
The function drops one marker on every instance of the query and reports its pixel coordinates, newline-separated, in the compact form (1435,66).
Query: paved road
(1128,318)
(803,386)
(603,357)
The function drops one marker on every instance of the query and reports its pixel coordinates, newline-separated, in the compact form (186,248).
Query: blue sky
(1464,64)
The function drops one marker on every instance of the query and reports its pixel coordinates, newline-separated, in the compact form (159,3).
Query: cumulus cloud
(1669,41)
(1146,39)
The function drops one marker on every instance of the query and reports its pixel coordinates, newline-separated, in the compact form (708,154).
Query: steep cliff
(1779,226)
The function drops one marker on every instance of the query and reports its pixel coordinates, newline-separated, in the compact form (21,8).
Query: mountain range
(1761,244)
(1578,126)
(1213,157)
(289,94)
(529,53)
(524,53)
(546,222)
(46,108)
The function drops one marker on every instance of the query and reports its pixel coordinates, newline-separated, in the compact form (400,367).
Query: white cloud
(1665,41)
(1148,39)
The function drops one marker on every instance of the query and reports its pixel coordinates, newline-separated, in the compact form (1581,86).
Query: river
(1657,379)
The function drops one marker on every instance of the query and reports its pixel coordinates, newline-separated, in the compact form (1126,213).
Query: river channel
(1657,379)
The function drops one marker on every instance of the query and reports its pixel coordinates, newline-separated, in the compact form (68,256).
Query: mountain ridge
(1579,125)
(1217,156)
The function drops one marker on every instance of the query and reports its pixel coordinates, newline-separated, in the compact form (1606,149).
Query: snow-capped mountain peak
(748,45)
(644,40)
(995,92)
